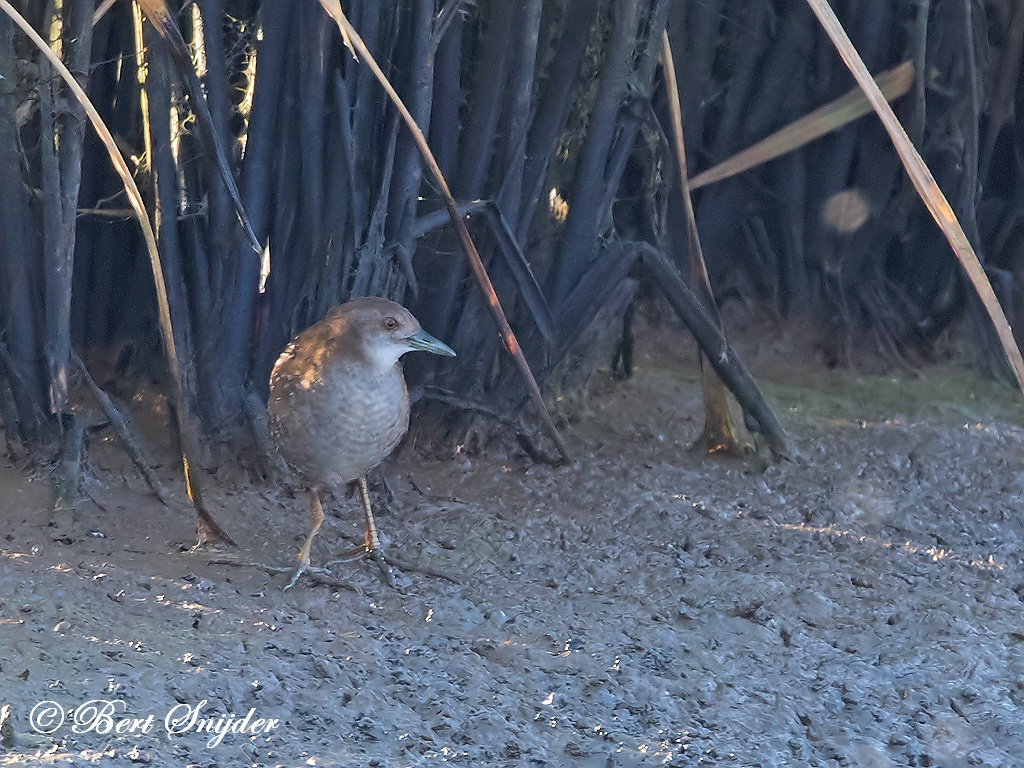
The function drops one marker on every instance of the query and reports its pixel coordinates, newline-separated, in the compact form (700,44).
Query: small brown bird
(339,405)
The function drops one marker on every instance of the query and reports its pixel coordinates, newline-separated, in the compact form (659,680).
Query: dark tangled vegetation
(549,121)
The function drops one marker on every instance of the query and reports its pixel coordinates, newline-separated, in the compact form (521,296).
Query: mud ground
(861,604)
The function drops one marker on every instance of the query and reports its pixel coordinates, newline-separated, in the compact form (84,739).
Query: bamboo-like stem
(159,15)
(188,438)
(925,184)
(101,11)
(719,434)
(508,337)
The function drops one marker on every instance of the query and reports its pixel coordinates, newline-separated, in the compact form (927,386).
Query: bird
(339,404)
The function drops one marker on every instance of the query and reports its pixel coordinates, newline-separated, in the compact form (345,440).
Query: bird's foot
(385,572)
(316,575)
(295,577)
(371,553)
(386,562)
(303,563)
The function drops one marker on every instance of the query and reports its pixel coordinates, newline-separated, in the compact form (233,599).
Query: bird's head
(382,331)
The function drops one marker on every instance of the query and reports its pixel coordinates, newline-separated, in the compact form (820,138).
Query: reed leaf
(893,84)
(936,202)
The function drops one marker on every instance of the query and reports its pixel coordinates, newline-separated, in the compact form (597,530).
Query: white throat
(385,353)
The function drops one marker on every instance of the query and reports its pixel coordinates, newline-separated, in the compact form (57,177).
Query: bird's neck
(381,356)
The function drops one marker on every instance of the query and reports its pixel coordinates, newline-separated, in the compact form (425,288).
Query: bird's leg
(372,543)
(316,510)
(372,539)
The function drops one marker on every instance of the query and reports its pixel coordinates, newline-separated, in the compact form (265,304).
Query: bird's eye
(390,323)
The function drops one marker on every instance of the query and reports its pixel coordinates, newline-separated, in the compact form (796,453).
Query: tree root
(118,422)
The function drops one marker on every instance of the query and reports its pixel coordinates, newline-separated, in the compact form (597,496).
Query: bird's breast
(333,423)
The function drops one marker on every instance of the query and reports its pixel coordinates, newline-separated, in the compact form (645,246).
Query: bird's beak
(424,342)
